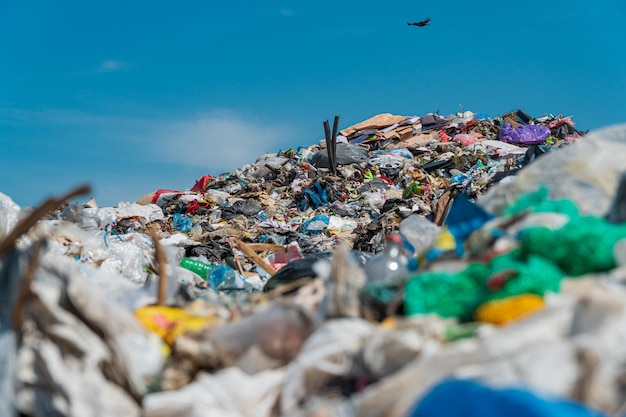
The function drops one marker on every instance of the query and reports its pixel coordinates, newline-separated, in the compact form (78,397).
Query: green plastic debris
(413,189)
(515,273)
(448,295)
(584,245)
(458,295)
(539,202)
(545,256)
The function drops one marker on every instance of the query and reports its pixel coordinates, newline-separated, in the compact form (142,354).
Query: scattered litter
(398,267)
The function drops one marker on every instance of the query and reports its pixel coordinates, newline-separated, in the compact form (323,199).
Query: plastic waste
(507,310)
(374,199)
(279,259)
(465,139)
(456,398)
(346,154)
(170,322)
(245,208)
(182,222)
(196,266)
(501,148)
(465,217)
(315,225)
(524,135)
(224,278)
(419,233)
(391,263)
(315,196)
(296,270)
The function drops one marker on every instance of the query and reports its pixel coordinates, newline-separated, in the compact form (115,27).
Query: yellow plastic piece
(170,322)
(445,240)
(509,309)
(389,323)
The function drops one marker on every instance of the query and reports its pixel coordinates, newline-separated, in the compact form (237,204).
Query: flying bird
(421,23)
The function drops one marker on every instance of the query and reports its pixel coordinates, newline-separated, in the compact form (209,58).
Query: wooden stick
(329,145)
(333,140)
(239,267)
(162,266)
(267,247)
(255,258)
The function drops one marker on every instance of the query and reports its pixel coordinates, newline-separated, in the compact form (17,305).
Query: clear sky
(133,96)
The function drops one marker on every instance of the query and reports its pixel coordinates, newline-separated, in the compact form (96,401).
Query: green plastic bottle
(199,267)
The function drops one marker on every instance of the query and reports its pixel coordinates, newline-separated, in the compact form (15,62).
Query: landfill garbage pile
(403,266)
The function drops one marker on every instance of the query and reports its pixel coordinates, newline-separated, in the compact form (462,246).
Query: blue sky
(133,96)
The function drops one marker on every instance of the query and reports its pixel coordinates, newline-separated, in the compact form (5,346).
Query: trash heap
(400,263)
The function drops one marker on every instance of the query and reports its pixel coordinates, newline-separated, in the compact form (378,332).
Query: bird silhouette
(420,23)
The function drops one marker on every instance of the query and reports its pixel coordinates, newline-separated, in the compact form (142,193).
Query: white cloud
(125,156)
(219,141)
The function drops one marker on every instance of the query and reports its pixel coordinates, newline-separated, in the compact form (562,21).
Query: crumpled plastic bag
(524,135)
(227,393)
(346,154)
(247,208)
(465,139)
(328,352)
(81,355)
(270,338)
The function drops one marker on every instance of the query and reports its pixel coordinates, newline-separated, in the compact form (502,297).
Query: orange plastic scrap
(444,136)
(509,309)
(170,322)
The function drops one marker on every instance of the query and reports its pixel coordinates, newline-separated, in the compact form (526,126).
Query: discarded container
(224,278)
(419,233)
(391,263)
(196,266)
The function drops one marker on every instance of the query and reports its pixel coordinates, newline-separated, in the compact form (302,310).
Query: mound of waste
(460,265)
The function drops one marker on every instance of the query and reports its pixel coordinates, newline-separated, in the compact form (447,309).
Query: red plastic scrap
(192,206)
(201,183)
(158,193)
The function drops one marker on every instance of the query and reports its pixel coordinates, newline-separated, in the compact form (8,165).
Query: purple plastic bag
(524,135)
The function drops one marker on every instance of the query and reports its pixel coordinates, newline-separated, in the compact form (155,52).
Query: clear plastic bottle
(419,232)
(224,278)
(220,277)
(391,262)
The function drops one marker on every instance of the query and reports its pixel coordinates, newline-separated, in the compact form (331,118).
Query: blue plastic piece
(313,225)
(316,196)
(461,398)
(224,278)
(463,219)
(182,222)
